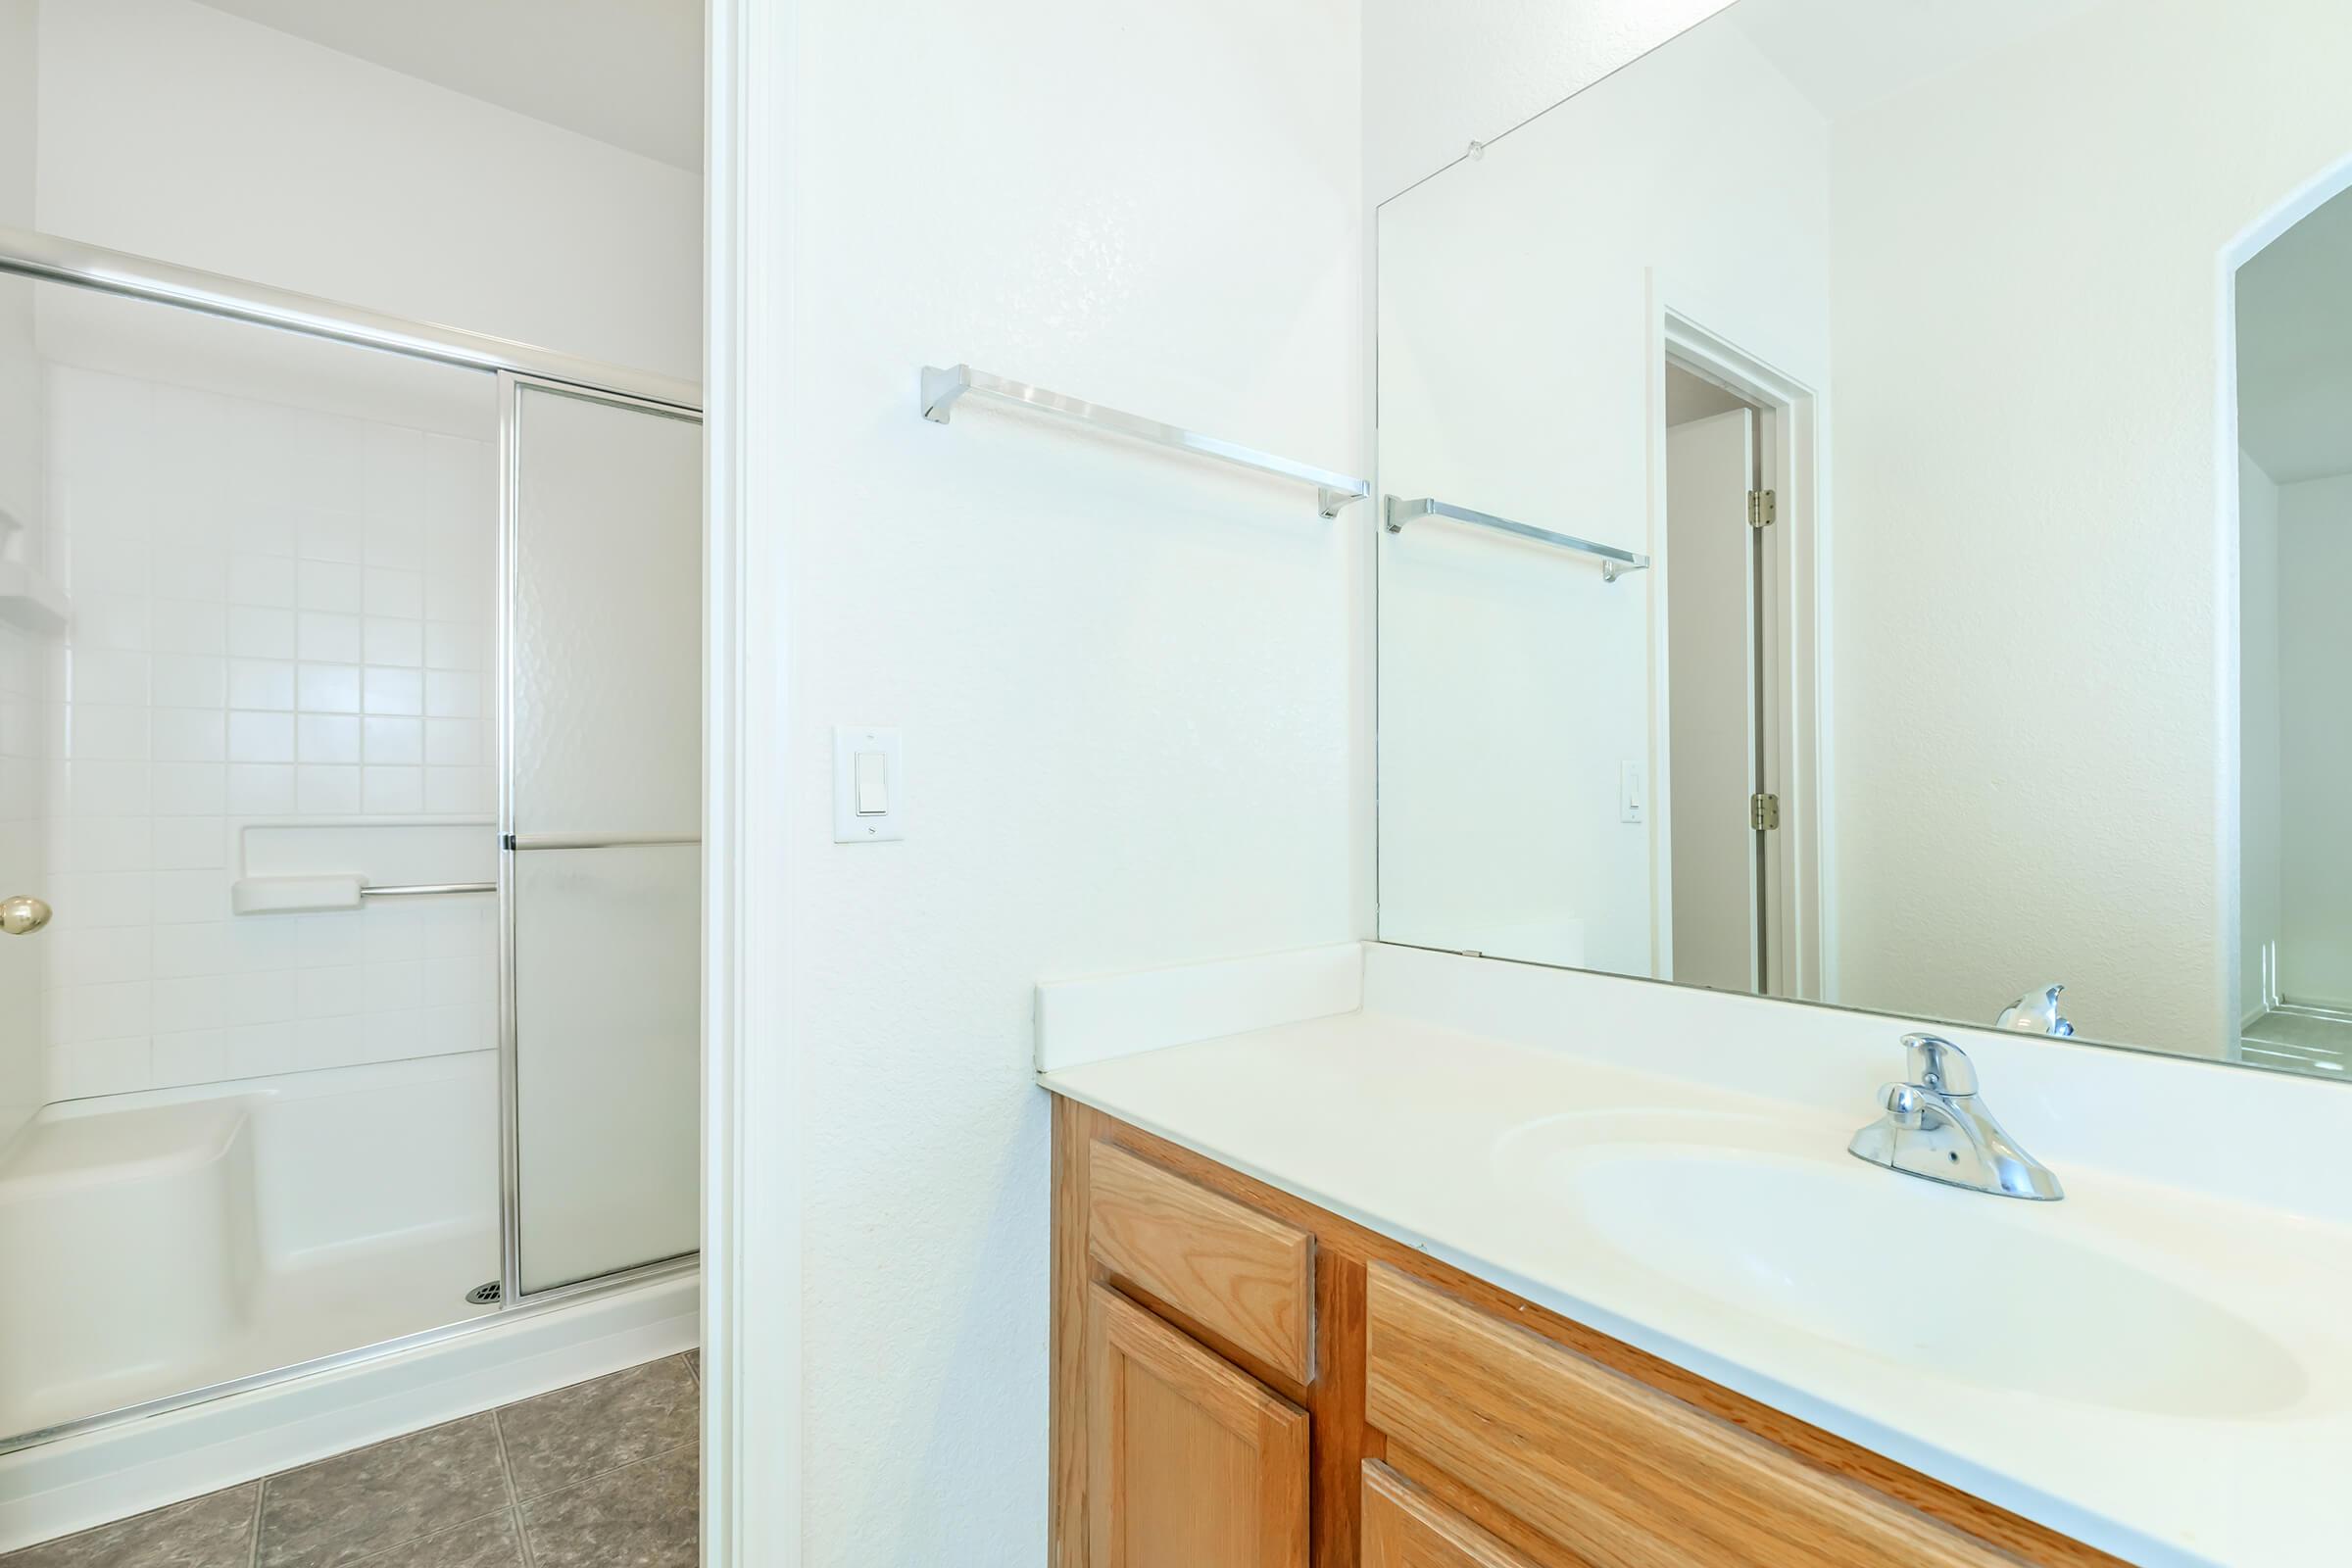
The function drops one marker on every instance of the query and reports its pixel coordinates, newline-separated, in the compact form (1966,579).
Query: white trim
(752,1471)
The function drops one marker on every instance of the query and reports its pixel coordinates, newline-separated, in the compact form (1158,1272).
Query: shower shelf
(27,598)
(31,601)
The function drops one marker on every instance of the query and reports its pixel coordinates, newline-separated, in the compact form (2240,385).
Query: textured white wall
(1517,303)
(1441,73)
(2314,726)
(2036,770)
(1124,678)
(176,130)
(2258,753)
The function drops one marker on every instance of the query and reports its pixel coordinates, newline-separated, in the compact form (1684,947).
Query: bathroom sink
(1757,1219)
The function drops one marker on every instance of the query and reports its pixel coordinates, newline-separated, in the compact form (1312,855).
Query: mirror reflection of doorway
(2294,371)
(1714,672)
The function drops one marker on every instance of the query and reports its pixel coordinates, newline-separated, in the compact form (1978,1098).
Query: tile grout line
(599,1475)
(260,1493)
(506,1467)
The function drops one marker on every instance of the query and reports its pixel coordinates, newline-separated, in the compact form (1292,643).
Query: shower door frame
(48,258)
(510,386)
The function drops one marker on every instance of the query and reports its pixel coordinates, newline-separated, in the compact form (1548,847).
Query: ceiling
(2294,349)
(624,71)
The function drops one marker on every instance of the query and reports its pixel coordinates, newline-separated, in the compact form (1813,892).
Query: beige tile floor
(2300,1042)
(603,1472)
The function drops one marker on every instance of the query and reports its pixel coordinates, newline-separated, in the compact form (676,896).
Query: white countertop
(1402,1123)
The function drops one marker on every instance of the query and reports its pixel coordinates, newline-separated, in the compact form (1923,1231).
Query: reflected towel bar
(1613,561)
(421,890)
(941,389)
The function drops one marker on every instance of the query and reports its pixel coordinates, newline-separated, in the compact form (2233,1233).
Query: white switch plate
(850,825)
(1633,792)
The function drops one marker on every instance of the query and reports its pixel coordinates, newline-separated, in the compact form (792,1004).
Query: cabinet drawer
(1406,1528)
(1239,1274)
(1613,1470)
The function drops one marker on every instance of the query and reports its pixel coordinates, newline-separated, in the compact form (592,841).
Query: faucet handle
(1904,1104)
(1938,1064)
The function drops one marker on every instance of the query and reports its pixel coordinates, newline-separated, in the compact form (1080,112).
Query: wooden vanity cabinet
(1242,1380)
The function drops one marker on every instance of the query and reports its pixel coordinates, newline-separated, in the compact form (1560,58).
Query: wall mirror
(1866,501)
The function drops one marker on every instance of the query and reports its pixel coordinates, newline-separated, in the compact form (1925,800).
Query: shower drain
(483,1295)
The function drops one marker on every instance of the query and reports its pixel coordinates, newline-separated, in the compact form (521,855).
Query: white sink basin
(1957,1285)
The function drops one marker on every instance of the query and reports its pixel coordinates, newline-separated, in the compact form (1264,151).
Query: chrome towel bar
(423,890)
(596,840)
(1613,561)
(942,388)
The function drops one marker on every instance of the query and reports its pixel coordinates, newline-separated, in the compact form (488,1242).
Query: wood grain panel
(1613,1470)
(1242,1275)
(1065,1487)
(1194,1465)
(1403,1528)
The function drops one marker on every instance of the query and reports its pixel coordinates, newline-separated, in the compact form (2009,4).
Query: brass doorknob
(22,915)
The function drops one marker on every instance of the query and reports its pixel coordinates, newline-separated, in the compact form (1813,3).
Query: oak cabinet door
(1191,1463)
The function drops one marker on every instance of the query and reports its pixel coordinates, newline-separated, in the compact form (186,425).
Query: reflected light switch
(873,784)
(869,786)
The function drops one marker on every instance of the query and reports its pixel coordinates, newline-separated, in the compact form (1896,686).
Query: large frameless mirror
(1867,492)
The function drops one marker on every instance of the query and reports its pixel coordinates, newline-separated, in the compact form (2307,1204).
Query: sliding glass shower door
(601,832)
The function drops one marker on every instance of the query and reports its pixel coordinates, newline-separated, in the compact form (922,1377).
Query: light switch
(1633,792)
(873,784)
(869,786)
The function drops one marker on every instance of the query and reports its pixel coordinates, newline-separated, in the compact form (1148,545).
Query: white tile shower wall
(279,613)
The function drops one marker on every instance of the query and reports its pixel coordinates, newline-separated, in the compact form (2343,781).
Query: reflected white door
(604,816)
(1711,697)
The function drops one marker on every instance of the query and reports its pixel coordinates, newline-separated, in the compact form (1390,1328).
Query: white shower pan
(170,1240)
(197,1242)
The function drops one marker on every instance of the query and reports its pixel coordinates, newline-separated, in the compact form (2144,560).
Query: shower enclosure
(350,812)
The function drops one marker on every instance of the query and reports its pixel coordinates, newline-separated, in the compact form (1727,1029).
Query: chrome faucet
(1936,1127)
(2035,1013)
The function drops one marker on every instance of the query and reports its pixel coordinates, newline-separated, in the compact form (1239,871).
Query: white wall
(2315,724)
(1521,375)
(2258,738)
(2061,808)
(1124,678)
(175,130)
(1441,73)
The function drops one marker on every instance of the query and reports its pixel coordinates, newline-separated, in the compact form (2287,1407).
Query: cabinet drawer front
(1239,1274)
(1405,1528)
(1193,1464)
(1615,1471)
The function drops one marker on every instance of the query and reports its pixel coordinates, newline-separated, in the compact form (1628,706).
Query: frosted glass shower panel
(604,672)
(607,621)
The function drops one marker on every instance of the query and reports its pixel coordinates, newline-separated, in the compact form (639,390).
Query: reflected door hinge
(1764,812)
(1763,506)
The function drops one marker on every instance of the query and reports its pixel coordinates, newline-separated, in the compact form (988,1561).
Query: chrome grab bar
(1613,561)
(423,890)
(596,840)
(942,387)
